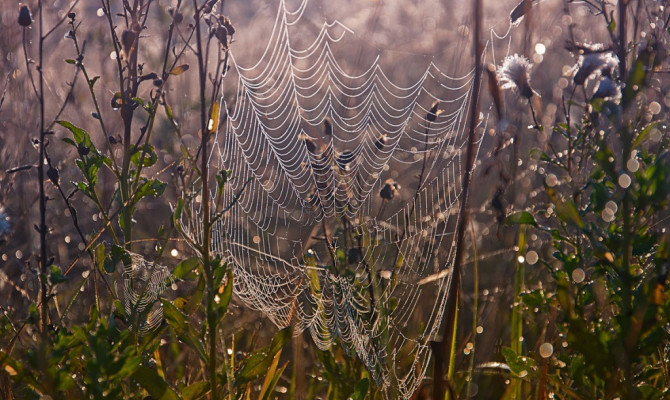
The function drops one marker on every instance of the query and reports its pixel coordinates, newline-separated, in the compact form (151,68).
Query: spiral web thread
(143,281)
(299,185)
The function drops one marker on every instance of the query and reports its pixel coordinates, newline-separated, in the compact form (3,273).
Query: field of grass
(225,199)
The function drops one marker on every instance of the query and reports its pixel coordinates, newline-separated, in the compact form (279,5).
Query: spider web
(347,192)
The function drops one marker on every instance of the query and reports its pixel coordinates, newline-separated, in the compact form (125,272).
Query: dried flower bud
(25,19)
(71,15)
(494,90)
(225,21)
(515,74)
(327,127)
(381,142)
(432,114)
(519,11)
(593,63)
(345,159)
(83,149)
(127,40)
(390,189)
(309,143)
(53,175)
(606,89)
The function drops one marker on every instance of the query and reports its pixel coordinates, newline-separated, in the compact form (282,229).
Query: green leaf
(154,384)
(255,367)
(645,132)
(56,275)
(565,209)
(182,328)
(70,61)
(195,391)
(226,293)
(152,187)
(100,257)
(521,218)
(281,338)
(150,156)
(361,389)
(612,25)
(185,269)
(80,135)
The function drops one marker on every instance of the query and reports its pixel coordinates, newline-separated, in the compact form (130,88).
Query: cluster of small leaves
(609,255)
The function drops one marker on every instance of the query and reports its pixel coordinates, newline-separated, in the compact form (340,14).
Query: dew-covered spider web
(347,190)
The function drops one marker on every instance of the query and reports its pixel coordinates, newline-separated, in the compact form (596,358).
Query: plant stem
(454,284)
(204,171)
(43,199)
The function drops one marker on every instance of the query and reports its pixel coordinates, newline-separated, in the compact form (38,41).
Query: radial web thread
(330,232)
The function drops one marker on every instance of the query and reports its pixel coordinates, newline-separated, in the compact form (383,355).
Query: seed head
(515,74)
(390,190)
(344,160)
(127,40)
(606,89)
(593,63)
(381,141)
(25,19)
(431,115)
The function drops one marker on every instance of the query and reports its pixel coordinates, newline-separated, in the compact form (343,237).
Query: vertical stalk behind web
(43,200)
(204,171)
(448,335)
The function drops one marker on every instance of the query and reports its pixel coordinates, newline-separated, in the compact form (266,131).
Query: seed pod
(520,10)
(327,127)
(390,190)
(309,143)
(345,159)
(381,142)
(494,89)
(83,150)
(432,114)
(52,173)
(127,40)
(25,19)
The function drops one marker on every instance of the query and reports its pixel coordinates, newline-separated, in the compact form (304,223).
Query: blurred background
(407,36)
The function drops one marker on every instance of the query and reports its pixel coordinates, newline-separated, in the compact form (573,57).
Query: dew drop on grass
(480,329)
(578,275)
(624,181)
(531,257)
(174,286)
(546,350)
(632,165)
(174,253)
